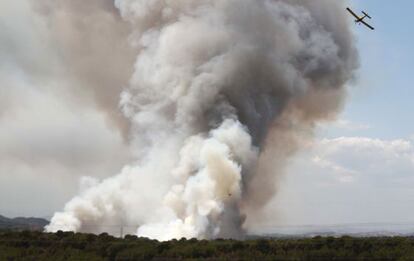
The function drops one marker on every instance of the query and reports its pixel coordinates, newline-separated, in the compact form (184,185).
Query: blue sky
(361,168)
(382,97)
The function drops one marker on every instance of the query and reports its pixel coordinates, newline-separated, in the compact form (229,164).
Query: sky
(383,94)
(359,169)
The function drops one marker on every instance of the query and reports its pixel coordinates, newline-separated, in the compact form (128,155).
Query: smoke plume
(93,53)
(222,93)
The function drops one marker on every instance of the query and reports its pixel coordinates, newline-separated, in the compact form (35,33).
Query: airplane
(360,20)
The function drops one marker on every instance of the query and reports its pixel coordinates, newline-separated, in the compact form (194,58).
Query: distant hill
(353,230)
(21,223)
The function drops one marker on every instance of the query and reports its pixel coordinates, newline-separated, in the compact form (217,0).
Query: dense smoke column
(222,93)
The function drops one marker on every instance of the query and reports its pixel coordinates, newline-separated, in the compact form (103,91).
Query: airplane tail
(367,15)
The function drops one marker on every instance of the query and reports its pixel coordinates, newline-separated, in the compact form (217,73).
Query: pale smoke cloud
(222,93)
(89,40)
(51,128)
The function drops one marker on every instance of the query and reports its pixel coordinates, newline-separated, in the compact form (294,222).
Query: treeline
(70,246)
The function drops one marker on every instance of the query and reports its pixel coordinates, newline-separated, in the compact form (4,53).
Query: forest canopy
(71,246)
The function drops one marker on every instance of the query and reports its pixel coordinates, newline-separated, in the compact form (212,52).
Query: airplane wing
(367,25)
(352,13)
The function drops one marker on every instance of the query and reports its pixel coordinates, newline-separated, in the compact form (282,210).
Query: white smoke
(221,94)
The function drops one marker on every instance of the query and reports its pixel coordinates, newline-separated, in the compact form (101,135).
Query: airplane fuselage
(360,19)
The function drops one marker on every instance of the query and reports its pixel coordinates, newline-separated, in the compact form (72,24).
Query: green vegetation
(70,246)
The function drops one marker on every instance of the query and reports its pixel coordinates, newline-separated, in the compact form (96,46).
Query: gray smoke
(90,41)
(57,124)
(221,94)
